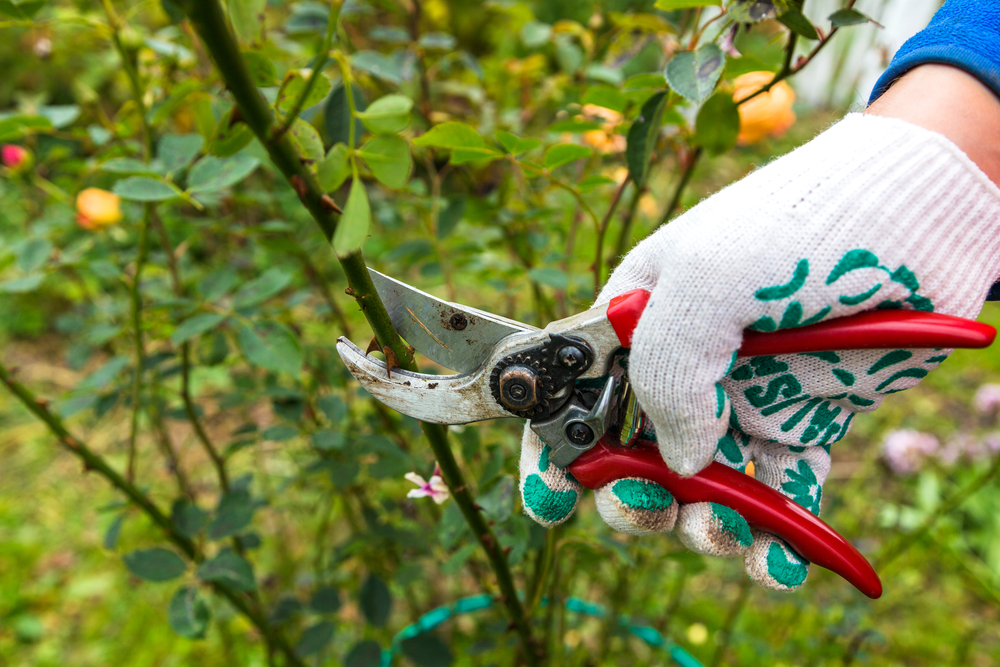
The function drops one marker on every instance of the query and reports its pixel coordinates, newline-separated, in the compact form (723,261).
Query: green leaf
(194,326)
(378,65)
(261,68)
(234,513)
(211,173)
(535,34)
(574,126)
(337,115)
(325,600)
(552,277)
(605,96)
(230,569)
(718,124)
(643,135)
(24,10)
(334,169)
(143,188)
(591,183)
(333,408)
(314,639)
(113,532)
(797,22)
(449,216)
(21,285)
(516,145)
(426,650)
(177,151)
(127,165)
(16,127)
(188,613)
(388,157)
(561,154)
(156,564)
(352,230)
(365,654)
(752,11)
(846,17)
(295,84)
(498,503)
(272,346)
(103,376)
(247,17)
(229,137)
(306,138)
(187,517)
(279,432)
(263,287)
(388,114)
(376,601)
(694,74)
(33,254)
(465,143)
(671,5)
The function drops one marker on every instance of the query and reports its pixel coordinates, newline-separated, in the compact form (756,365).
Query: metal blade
(440,399)
(457,337)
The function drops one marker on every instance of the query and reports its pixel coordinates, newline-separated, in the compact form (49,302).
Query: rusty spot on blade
(436,339)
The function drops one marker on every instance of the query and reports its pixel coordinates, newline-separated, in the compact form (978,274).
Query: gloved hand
(873,213)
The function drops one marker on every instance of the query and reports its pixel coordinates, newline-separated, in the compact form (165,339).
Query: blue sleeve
(963,33)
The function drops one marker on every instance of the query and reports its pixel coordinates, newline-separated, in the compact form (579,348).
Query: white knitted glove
(873,213)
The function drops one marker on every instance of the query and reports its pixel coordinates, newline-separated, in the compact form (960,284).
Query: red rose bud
(15,157)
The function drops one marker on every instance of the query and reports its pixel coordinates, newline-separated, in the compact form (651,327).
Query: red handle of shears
(763,507)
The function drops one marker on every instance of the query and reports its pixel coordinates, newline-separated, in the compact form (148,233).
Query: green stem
(209,22)
(602,229)
(140,355)
(625,234)
(133,76)
(734,613)
(675,200)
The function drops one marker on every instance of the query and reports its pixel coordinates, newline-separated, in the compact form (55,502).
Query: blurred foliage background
(212,384)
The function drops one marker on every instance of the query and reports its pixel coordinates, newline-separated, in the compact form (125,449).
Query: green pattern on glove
(785,567)
(642,495)
(543,459)
(730,521)
(890,359)
(546,504)
(803,487)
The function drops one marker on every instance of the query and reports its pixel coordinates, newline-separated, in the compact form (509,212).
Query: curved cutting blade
(455,336)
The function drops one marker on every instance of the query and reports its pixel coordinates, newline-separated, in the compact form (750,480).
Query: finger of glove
(712,529)
(636,506)
(773,564)
(549,494)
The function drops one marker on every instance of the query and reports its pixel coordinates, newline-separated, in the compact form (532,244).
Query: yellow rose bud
(97,209)
(767,114)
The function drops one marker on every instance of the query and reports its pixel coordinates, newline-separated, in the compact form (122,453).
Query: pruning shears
(569,381)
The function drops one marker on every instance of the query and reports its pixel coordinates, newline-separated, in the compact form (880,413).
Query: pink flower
(987,399)
(14,157)
(434,488)
(905,451)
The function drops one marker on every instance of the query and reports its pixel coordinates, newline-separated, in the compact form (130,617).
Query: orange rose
(768,114)
(97,209)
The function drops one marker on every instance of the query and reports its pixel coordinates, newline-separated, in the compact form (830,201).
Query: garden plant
(191,194)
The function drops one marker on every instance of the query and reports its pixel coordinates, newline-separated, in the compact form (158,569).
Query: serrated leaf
(752,11)
(388,157)
(176,151)
(295,84)
(376,601)
(230,569)
(334,169)
(314,639)
(562,154)
(845,17)
(671,5)
(234,513)
(427,650)
(247,17)
(188,613)
(306,138)
(143,188)
(270,345)
(33,254)
(229,138)
(211,173)
(263,287)
(694,74)
(465,143)
(516,145)
(261,68)
(194,326)
(718,124)
(352,229)
(797,22)
(642,137)
(156,564)
(365,654)
(388,114)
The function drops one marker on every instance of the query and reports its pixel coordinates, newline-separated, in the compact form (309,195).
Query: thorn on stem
(390,360)
(373,346)
(237,117)
(300,186)
(329,205)
(349,291)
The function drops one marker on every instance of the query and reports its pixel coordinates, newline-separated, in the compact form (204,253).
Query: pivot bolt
(580,434)
(571,357)
(519,388)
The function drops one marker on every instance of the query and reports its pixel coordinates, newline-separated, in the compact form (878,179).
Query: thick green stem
(602,229)
(209,22)
(140,355)
(675,200)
